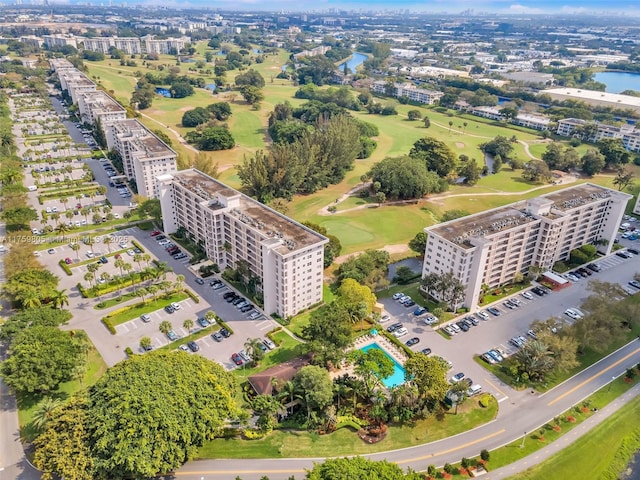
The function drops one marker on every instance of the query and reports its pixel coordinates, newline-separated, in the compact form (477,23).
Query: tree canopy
(34,317)
(404,178)
(427,374)
(369,268)
(145,416)
(212,138)
(41,358)
(436,155)
(358,468)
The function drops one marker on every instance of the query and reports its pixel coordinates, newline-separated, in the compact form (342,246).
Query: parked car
(488,358)
(397,296)
(176,306)
(573,313)
(527,295)
(457,377)
(494,311)
(254,315)
(173,336)
(169,309)
(495,355)
(430,320)
(225,333)
(199,281)
(419,311)
(450,330)
(193,346)
(426,351)
(203,322)
(401,332)
(246,308)
(483,315)
(635,284)
(145,318)
(462,326)
(244,355)
(216,336)
(236,359)
(394,327)
(68,261)
(412,341)
(409,303)
(269,344)
(104,259)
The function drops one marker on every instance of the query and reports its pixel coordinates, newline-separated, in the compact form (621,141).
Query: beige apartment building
(144,155)
(98,106)
(285,257)
(492,247)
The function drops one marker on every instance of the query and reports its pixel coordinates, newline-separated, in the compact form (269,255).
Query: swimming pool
(398,370)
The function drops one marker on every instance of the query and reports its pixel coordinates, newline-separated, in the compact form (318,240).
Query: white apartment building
(144,155)
(164,46)
(492,247)
(420,95)
(129,45)
(629,135)
(59,40)
(75,83)
(98,106)
(537,122)
(98,44)
(285,256)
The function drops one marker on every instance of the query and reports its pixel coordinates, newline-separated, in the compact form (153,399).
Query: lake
(617,82)
(353,62)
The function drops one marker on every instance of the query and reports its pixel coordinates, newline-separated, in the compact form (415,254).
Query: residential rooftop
(142,138)
(104,102)
(570,198)
(582,94)
(265,221)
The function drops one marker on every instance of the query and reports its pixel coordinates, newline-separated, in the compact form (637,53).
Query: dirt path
(175,132)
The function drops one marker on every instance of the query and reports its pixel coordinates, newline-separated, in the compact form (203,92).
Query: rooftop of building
(102,101)
(485,224)
(261,218)
(147,144)
(580,93)
(570,198)
(76,78)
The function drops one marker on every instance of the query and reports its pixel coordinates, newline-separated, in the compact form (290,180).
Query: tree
(195,117)
(427,374)
(41,358)
(536,171)
(469,170)
(414,115)
(436,155)
(188,324)
(592,162)
(614,152)
(509,113)
(39,317)
(250,77)
(31,283)
(427,122)
(165,326)
(459,391)
(419,243)
(315,386)
(18,218)
(212,138)
(624,178)
(404,178)
(373,366)
(535,359)
(500,145)
(251,94)
(181,411)
(356,467)
(45,411)
(328,333)
(252,346)
(380,198)
(145,343)
(181,89)
(369,268)
(59,298)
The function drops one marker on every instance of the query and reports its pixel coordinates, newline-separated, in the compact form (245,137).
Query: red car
(237,359)
(68,261)
(155,233)
(117,256)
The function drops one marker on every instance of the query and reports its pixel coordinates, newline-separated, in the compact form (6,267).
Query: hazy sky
(505,6)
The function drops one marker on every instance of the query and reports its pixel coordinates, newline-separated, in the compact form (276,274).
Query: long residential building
(285,257)
(144,155)
(593,97)
(492,247)
(135,45)
(629,134)
(420,95)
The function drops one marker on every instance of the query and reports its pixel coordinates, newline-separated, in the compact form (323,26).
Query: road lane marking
(601,372)
(496,388)
(454,449)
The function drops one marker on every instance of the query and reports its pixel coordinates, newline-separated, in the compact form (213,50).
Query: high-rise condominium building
(491,247)
(285,258)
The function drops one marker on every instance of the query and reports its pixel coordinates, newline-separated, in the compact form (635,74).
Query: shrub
(484,401)
(109,325)
(464,462)
(485,455)
(65,267)
(193,296)
(128,351)
(224,325)
(253,434)
(137,245)
(271,337)
(447,468)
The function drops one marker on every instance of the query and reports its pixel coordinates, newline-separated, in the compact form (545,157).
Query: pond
(356,60)
(210,86)
(617,82)
(163,91)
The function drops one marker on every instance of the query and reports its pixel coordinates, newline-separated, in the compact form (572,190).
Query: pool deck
(393,351)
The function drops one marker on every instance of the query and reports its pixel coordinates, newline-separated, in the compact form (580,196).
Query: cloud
(516,8)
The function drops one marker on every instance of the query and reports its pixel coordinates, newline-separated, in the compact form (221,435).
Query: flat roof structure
(594,97)
(295,236)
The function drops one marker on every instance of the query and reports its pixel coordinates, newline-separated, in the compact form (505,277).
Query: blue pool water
(353,62)
(210,86)
(163,91)
(398,370)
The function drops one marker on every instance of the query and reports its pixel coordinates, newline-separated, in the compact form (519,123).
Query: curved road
(523,413)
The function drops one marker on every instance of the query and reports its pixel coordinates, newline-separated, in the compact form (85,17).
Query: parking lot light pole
(610,383)
(523,438)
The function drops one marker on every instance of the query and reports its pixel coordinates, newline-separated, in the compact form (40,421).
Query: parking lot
(498,330)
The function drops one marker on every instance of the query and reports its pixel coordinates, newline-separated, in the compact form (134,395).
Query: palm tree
(252,346)
(163,268)
(188,324)
(288,390)
(341,390)
(464,124)
(142,293)
(450,125)
(31,299)
(44,412)
(127,268)
(138,258)
(153,291)
(165,285)
(179,282)
(211,316)
(60,298)
(165,326)
(108,240)
(76,248)
(88,277)
(146,258)
(119,263)
(93,268)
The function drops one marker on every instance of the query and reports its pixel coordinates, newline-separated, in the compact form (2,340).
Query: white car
(574,313)
(430,320)
(130,252)
(483,315)
(397,296)
(527,295)
(89,254)
(401,332)
(176,306)
(164,242)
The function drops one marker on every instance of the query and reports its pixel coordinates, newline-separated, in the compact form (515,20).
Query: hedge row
(137,245)
(270,335)
(109,325)
(193,296)
(65,267)
(393,339)
(224,325)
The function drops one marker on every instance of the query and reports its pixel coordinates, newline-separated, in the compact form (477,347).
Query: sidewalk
(585,427)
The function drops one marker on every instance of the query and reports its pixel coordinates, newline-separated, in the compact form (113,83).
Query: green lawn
(299,443)
(147,307)
(286,350)
(27,404)
(602,453)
